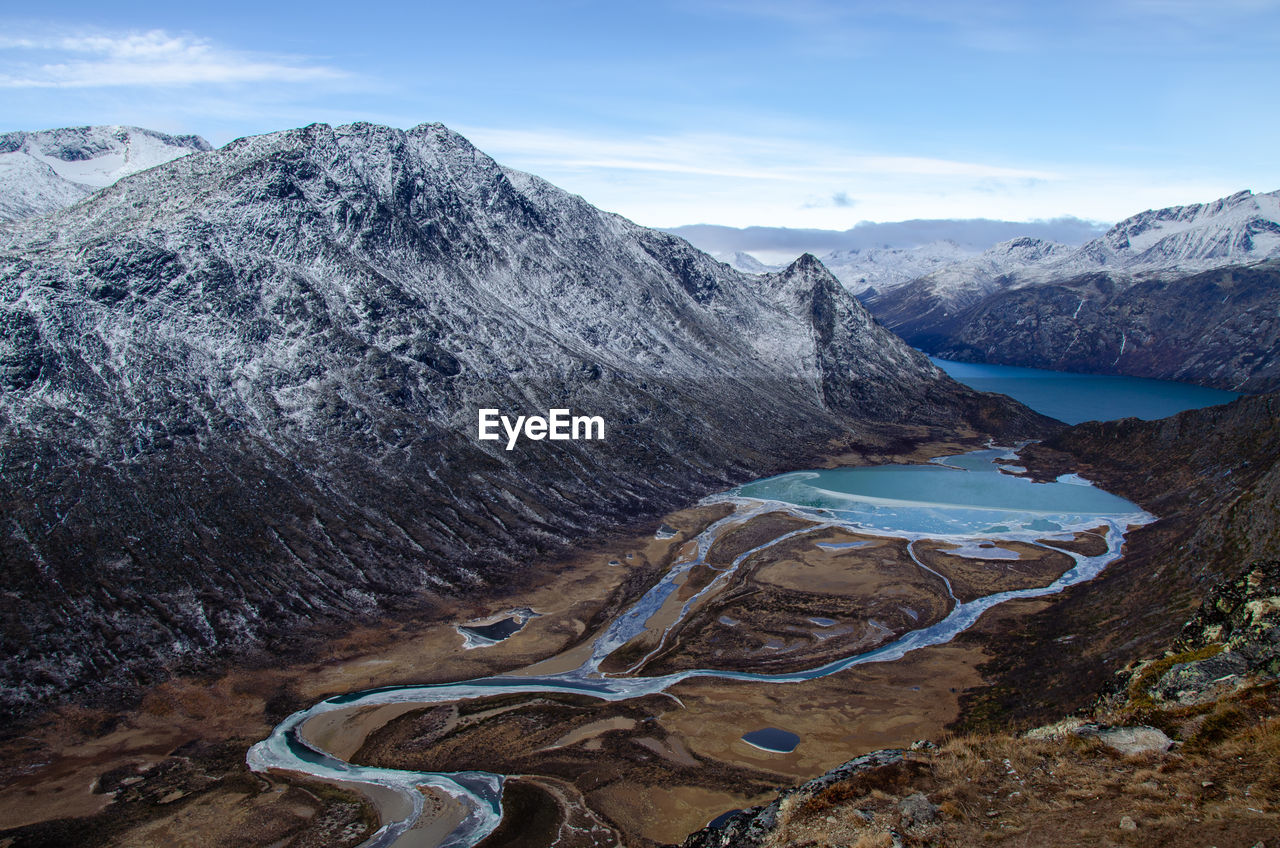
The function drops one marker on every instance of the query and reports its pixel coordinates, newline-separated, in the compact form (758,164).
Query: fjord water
(1073,397)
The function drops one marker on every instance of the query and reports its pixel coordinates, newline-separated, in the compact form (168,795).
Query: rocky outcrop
(241,394)
(1127,741)
(753,827)
(1231,642)
(1234,635)
(1242,615)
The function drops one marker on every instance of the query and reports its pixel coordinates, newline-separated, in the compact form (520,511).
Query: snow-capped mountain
(742,261)
(1235,230)
(29,187)
(1183,293)
(241,392)
(48,170)
(880,269)
(949,289)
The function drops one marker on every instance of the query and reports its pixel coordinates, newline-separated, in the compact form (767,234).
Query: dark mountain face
(240,393)
(1216,328)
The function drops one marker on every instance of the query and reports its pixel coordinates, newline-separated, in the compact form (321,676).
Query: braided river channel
(966,508)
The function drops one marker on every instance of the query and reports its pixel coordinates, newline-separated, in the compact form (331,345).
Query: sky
(805,114)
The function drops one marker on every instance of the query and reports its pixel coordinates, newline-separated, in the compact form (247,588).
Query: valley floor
(643,771)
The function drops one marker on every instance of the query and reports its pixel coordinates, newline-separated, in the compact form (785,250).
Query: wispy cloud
(740,157)
(793,181)
(839,199)
(152,58)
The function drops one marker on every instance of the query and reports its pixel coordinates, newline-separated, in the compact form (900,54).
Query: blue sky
(799,114)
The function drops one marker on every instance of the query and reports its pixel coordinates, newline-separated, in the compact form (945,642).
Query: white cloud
(151,58)
(745,180)
(741,157)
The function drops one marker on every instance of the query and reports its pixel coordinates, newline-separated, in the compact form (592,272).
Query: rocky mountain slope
(1217,328)
(51,169)
(241,393)
(937,297)
(1118,304)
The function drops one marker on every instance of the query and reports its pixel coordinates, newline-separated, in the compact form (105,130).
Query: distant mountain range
(1184,293)
(872,258)
(41,172)
(240,393)
(870,269)
(782,244)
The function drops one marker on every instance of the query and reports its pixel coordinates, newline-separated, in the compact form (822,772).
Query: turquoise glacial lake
(956,496)
(1074,397)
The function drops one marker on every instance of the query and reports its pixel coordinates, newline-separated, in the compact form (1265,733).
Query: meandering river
(957,499)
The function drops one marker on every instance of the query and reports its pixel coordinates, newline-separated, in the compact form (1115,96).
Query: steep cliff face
(241,392)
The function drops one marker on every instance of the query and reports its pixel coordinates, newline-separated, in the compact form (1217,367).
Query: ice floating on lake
(842,546)
(980,550)
(1073,480)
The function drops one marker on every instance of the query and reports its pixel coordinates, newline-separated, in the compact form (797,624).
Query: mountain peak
(808,268)
(1242,227)
(805,275)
